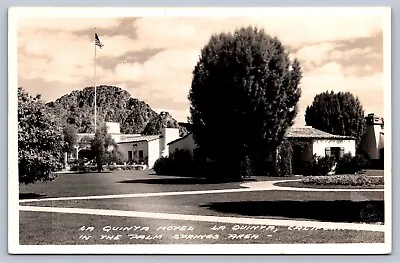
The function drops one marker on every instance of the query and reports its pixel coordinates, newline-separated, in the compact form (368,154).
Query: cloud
(56,50)
(353,53)
(332,77)
(313,55)
(65,24)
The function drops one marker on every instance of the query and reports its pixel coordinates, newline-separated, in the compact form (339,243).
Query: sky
(153,57)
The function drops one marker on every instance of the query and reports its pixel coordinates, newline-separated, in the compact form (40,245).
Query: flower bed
(93,168)
(344,179)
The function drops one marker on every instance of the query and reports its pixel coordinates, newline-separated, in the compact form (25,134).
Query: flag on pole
(97,41)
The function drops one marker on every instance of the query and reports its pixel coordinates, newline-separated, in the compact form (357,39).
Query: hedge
(178,163)
(345,179)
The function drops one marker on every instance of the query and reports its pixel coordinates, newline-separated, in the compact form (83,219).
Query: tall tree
(98,146)
(244,96)
(40,140)
(337,113)
(104,148)
(70,137)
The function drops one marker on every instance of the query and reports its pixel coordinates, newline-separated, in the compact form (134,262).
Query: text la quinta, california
(183,232)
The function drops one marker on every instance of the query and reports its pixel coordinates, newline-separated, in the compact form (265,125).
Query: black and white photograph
(199,130)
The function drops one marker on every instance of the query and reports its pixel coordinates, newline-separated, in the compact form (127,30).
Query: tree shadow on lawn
(330,211)
(176,181)
(30,196)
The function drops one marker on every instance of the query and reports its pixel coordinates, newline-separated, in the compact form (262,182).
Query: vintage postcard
(199,130)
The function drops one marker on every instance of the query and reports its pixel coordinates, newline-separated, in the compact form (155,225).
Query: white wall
(168,135)
(153,152)
(128,146)
(113,127)
(372,141)
(320,145)
(186,143)
(150,150)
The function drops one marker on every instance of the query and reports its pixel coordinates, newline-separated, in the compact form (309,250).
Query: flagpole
(94,83)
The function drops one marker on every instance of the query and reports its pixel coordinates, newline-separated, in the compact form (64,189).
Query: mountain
(113,104)
(163,120)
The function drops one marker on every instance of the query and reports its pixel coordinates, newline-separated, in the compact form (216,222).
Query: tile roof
(305,132)
(129,136)
(311,133)
(140,138)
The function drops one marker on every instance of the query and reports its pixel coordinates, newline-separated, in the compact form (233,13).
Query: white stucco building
(136,148)
(323,143)
(147,148)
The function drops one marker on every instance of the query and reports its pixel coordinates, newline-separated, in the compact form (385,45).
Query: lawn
(60,228)
(64,229)
(117,182)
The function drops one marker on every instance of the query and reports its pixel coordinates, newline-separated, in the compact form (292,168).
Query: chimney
(372,119)
(168,135)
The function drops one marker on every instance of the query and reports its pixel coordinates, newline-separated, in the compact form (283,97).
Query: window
(140,153)
(129,155)
(336,152)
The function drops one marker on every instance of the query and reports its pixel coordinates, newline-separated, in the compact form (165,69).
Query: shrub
(178,163)
(345,179)
(162,165)
(182,163)
(278,165)
(348,164)
(79,166)
(299,150)
(265,167)
(246,167)
(319,166)
(284,162)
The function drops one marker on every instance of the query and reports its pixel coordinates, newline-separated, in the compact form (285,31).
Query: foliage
(98,147)
(246,168)
(70,137)
(284,162)
(183,131)
(89,168)
(155,125)
(348,164)
(86,154)
(113,104)
(79,166)
(246,89)
(345,179)
(337,113)
(162,166)
(319,166)
(115,155)
(178,163)
(105,149)
(40,140)
(300,150)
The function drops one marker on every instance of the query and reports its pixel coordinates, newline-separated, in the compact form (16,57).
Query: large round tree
(40,140)
(243,97)
(337,113)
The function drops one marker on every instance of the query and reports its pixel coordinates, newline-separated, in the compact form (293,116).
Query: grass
(316,206)
(55,228)
(64,229)
(118,182)
(344,179)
